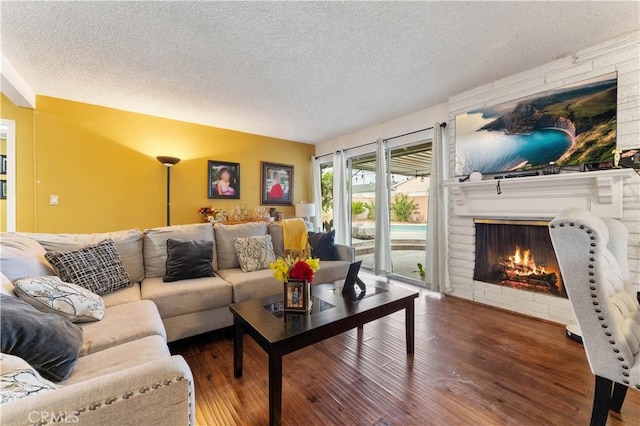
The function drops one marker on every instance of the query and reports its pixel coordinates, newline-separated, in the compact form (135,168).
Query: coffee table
(279,334)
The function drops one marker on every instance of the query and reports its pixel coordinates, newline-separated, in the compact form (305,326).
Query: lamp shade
(305,210)
(168,161)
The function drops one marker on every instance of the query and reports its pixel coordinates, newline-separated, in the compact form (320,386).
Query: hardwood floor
(472,365)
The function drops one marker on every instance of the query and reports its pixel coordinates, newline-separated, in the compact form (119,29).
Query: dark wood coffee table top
(330,309)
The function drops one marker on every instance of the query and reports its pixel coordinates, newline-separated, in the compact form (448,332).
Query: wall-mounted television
(571,125)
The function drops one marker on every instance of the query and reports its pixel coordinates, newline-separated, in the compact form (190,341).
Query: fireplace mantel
(541,196)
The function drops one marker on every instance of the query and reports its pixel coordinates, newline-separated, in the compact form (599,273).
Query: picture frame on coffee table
(297,296)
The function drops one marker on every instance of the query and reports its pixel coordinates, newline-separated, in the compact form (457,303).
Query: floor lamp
(168,162)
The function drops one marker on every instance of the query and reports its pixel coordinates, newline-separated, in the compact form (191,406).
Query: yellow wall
(101,163)
(25,163)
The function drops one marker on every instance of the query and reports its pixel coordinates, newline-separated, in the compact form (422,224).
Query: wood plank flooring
(473,365)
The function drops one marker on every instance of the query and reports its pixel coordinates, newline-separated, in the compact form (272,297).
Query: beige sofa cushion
(225,234)
(118,358)
(123,295)
(277,238)
(259,284)
(185,296)
(122,324)
(128,243)
(331,271)
(252,285)
(21,257)
(155,245)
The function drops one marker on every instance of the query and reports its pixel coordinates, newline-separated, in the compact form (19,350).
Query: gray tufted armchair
(592,253)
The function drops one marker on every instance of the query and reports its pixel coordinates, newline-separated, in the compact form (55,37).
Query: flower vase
(297,296)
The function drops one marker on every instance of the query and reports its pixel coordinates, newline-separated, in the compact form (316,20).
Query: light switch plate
(54,200)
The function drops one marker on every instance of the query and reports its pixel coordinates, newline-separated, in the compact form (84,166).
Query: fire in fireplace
(517,254)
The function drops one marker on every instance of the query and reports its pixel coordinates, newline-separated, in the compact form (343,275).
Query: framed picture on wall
(3,189)
(3,164)
(224,180)
(276,186)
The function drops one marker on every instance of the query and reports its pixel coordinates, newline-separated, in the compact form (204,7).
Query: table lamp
(306,211)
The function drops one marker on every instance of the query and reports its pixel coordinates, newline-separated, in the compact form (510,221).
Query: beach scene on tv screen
(571,125)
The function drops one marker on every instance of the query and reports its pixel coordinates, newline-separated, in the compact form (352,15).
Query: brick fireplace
(522,201)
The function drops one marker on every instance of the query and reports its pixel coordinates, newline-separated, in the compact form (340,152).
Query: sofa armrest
(346,253)
(158,393)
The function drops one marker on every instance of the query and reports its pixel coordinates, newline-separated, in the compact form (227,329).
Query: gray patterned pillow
(50,294)
(97,267)
(18,379)
(254,253)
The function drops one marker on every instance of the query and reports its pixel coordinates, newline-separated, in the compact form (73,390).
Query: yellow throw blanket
(294,233)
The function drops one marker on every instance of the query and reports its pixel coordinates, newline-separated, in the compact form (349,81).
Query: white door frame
(8,132)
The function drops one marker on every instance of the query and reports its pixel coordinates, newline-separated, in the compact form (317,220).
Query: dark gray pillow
(48,342)
(97,267)
(188,259)
(322,245)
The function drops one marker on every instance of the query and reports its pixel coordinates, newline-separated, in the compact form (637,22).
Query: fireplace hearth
(517,254)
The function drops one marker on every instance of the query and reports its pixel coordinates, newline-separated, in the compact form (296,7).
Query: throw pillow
(48,342)
(225,235)
(50,294)
(254,253)
(18,379)
(322,246)
(97,267)
(188,259)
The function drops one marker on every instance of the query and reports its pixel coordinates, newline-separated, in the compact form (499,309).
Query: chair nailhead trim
(591,271)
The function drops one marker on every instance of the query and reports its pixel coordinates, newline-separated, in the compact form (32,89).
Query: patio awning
(411,161)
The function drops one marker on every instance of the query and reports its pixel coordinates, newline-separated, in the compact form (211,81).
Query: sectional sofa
(125,373)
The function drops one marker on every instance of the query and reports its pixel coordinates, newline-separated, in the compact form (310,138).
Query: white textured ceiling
(302,71)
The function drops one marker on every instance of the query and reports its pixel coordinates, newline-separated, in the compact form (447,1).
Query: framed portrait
(276,184)
(3,164)
(224,180)
(3,189)
(297,296)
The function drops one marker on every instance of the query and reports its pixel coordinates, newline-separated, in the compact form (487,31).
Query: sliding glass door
(408,171)
(363,207)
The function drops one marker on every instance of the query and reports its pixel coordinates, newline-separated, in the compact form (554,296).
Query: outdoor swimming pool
(419,227)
